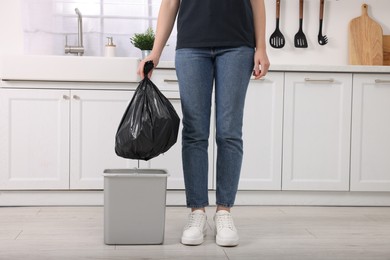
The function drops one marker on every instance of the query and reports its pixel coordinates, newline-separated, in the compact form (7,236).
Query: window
(47,23)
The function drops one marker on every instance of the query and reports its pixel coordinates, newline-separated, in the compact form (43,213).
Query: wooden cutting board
(365,40)
(386,50)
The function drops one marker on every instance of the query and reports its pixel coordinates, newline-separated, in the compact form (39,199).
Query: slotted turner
(322,39)
(277,39)
(300,38)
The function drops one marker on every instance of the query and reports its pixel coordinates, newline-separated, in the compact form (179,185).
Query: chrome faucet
(79,49)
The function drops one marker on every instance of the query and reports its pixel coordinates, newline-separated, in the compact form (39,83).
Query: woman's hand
(166,20)
(261,63)
(261,58)
(152,57)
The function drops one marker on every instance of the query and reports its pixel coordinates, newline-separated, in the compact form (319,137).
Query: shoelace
(195,220)
(224,221)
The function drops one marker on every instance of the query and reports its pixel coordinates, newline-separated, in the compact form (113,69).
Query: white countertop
(122,69)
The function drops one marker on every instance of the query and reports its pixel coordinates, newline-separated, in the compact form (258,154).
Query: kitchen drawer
(165,79)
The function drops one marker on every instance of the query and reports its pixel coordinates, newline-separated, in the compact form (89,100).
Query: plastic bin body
(134,206)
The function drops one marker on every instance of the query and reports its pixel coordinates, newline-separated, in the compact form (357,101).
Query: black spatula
(300,38)
(277,39)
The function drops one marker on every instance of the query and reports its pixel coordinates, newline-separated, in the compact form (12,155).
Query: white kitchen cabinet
(262,134)
(59,139)
(95,116)
(370,153)
(316,138)
(34,139)
(172,159)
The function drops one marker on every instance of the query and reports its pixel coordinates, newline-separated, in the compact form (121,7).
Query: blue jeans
(197,69)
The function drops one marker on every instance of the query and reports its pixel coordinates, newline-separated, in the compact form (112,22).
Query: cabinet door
(316,139)
(370,153)
(95,116)
(166,80)
(171,160)
(262,134)
(34,139)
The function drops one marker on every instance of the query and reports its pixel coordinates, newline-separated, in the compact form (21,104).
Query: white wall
(338,13)
(11,36)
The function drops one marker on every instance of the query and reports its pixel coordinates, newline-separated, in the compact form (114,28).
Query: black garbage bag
(149,125)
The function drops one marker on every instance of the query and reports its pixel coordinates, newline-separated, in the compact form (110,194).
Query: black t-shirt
(215,23)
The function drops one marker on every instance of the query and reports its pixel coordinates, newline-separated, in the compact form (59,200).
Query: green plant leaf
(143,41)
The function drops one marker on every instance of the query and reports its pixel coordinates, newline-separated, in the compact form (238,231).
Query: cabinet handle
(65,97)
(261,79)
(319,80)
(76,97)
(175,98)
(379,81)
(171,81)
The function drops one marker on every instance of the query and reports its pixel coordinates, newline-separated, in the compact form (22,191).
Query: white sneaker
(226,232)
(195,230)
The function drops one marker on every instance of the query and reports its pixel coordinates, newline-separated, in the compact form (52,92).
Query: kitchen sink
(69,68)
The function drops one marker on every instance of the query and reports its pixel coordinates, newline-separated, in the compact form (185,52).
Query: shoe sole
(193,242)
(226,242)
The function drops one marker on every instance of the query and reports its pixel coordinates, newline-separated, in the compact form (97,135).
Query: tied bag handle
(148,67)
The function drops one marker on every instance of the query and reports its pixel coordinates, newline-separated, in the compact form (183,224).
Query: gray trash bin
(134,206)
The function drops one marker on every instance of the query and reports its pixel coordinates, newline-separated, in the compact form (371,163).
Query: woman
(219,43)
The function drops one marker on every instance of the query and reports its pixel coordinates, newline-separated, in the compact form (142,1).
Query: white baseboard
(177,198)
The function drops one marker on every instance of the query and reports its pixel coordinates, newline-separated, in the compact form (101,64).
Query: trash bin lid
(134,172)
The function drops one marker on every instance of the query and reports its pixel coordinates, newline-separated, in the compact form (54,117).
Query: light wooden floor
(269,233)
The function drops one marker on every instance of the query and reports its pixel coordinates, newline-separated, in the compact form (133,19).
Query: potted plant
(143,41)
